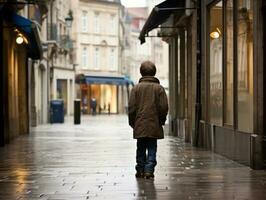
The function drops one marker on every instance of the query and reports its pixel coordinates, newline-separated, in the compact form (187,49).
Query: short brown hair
(147,68)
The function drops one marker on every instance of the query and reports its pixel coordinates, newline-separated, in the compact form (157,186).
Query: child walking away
(148,107)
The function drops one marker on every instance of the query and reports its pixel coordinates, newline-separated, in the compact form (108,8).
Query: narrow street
(95,160)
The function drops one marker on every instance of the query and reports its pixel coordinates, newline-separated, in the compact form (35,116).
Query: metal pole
(198,76)
(264,85)
(2,84)
(173,9)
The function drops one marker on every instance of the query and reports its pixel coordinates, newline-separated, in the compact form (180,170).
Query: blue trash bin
(57,111)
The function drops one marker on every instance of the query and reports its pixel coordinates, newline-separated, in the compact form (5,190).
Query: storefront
(19,41)
(232,79)
(109,93)
(216,79)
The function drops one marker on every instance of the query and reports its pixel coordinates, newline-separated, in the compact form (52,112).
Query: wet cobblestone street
(96,160)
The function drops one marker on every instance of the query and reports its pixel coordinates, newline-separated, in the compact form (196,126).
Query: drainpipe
(198,106)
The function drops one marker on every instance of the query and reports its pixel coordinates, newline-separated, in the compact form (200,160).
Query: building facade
(217,92)
(135,53)
(53,76)
(153,49)
(98,33)
(160,50)
(38,70)
(62,67)
(20,45)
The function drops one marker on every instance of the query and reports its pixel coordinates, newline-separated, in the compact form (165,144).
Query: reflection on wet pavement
(95,160)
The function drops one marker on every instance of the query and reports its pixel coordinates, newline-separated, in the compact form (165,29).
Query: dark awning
(30,30)
(108,80)
(160,13)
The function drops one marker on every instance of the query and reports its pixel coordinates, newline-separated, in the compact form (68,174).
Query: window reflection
(245,65)
(216,56)
(229,63)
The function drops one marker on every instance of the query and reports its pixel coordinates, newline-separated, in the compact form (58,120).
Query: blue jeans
(146,162)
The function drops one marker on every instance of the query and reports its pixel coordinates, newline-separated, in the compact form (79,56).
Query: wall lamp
(215,34)
(20,38)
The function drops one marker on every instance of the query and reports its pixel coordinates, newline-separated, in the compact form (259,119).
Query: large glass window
(245,65)
(216,63)
(229,97)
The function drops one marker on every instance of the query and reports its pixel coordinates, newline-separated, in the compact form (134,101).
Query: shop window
(245,65)
(229,97)
(216,63)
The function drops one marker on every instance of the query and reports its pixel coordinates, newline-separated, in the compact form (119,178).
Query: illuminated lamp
(19,39)
(215,34)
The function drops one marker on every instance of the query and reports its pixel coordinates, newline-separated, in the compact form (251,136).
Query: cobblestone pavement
(95,160)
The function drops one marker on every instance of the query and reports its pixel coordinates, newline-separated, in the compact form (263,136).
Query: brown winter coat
(148,108)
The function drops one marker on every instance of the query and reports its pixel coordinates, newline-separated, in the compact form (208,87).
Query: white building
(135,53)
(98,35)
(160,50)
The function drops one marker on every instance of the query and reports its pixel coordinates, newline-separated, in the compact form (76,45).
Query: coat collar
(149,79)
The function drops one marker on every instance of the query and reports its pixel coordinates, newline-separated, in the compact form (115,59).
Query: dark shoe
(148,175)
(139,175)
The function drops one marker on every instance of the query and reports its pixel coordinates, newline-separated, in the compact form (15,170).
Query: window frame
(208,97)
(209,4)
(85,58)
(84,28)
(96,60)
(96,23)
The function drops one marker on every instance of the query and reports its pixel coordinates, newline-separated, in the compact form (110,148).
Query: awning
(160,13)
(105,80)
(30,31)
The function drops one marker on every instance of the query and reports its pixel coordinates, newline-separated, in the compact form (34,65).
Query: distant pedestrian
(147,111)
(109,108)
(93,105)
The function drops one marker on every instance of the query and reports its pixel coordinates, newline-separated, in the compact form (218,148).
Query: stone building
(53,76)
(60,52)
(98,42)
